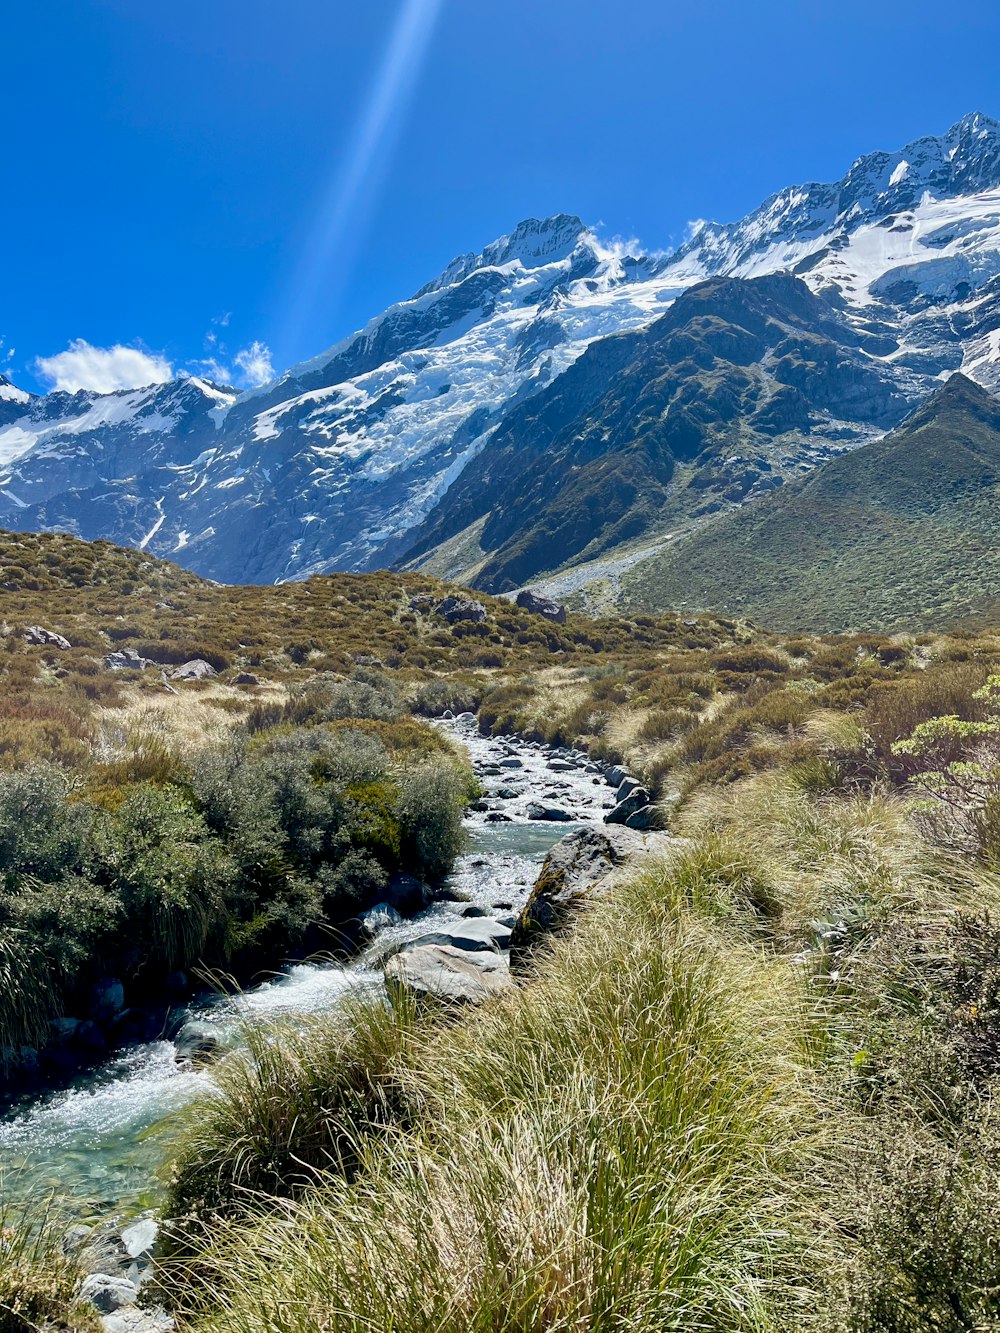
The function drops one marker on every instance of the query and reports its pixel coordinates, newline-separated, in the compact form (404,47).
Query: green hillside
(902,533)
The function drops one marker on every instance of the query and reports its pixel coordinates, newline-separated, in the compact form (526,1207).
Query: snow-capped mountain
(347,458)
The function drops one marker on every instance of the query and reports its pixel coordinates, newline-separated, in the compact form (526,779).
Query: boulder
(378,918)
(616,776)
(641,819)
(48,638)
(470,933)
(625,787)
(127,659)
(440,972)
(511,763)
(133,1319)
(107,998)
(561,765)
(635,801)
(196,669)
(570,873)
(106,1293)
(140,1238)
(246,678)
(541,606)
(461,608)
(196,1046)
(552,814)
(406,894)
(497,817)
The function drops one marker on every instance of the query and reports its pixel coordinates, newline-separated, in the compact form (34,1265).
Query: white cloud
(254,363)
(103,369)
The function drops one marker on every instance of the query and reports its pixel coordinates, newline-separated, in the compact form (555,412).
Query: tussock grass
(296,1101)
(38,1283)
(615,1145)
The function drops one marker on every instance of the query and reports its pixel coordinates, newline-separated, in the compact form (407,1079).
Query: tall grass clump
(293,1103)
(614,1145)
(38,1282)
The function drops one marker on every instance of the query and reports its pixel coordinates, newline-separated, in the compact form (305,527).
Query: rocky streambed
(89,1143)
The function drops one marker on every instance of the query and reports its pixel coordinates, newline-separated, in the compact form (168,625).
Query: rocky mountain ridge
(420,438)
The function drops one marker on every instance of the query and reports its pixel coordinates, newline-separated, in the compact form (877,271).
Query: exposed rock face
(454,609)
(569,875)
(39,636)
(541,606)
(441,972)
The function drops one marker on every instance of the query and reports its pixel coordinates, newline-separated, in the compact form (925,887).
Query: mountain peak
(10,393)
(957,393)
(533,242)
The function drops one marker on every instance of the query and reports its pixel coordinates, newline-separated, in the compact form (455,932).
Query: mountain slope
(903,532)
(736,389)
(348,460)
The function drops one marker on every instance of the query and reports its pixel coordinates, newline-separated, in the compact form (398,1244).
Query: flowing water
(89,1143)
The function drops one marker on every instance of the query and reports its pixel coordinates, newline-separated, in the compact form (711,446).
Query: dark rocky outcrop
(541,606)
(454,609)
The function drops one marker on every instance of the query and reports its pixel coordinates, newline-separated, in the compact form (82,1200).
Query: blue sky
(235,184)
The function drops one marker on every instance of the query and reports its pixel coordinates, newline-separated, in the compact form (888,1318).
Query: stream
(89,1144)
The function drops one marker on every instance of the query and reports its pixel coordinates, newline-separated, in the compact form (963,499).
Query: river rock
(541,606)
(636,800)
(195,1046)
(561,765)
(140,1238)
(107,998)
(107,1293)
(440,972)
(470,933)
(570,873)
(552,814)
(641,819)
(196,669)
(39,636)
(378,918)
(511,763)
(625,787)
(406,894)
(616,776)
(461,608)
(497,817)
(132,1319)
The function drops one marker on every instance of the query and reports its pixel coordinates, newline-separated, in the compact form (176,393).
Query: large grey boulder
(133,1319)
(441,972)
(196,669)
(378,918)
(107,1293)
(552,814)
(38,636)
(461,608)
(541,606)
(470,933)
(570,873)
(636,800)
(127,659)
